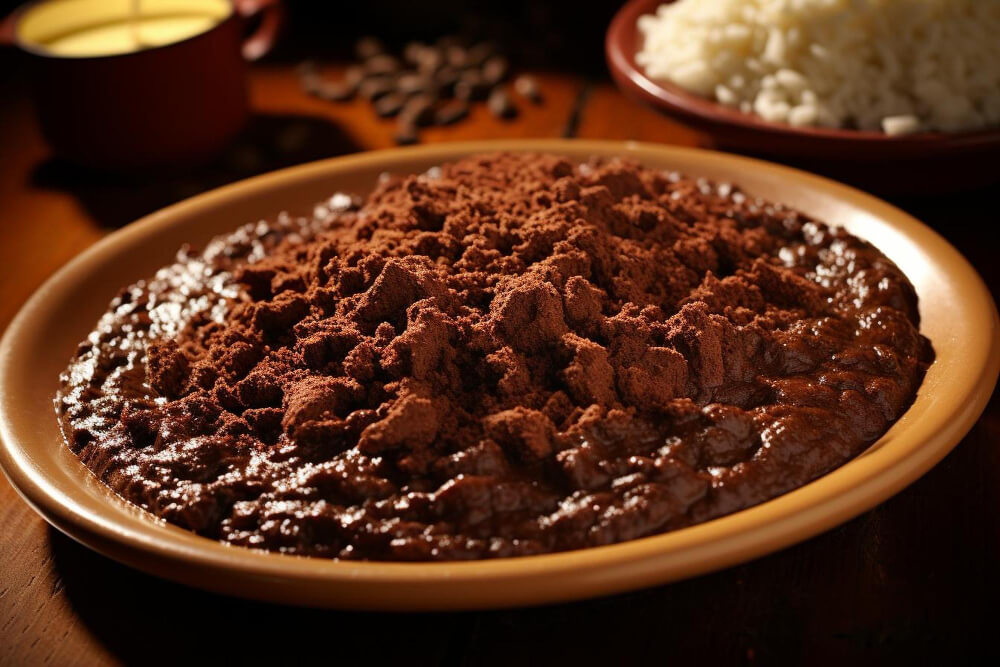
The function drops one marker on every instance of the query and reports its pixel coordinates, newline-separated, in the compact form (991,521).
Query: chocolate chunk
(168,369)
(528,433)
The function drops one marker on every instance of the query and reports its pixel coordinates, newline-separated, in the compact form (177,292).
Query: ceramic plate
(958,316)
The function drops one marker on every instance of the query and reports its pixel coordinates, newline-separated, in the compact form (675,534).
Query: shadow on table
(146,620)
(269,142)
(143,619)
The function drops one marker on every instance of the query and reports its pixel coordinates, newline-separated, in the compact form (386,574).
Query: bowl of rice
(896,95)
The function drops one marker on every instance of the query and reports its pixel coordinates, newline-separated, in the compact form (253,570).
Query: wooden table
(914,578)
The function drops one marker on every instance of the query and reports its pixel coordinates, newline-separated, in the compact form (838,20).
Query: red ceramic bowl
(918,163)
(174,104)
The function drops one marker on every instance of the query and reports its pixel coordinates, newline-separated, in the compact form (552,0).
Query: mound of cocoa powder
(510,354)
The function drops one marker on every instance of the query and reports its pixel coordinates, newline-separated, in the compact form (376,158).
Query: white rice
(900,66)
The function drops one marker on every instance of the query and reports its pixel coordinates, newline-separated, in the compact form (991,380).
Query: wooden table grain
(914,579)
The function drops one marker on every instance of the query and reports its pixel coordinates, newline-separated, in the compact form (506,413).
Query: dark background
(560,34)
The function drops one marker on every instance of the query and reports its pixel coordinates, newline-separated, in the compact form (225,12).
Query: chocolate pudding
(506,355)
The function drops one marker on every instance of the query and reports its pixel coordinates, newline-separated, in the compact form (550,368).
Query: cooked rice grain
(900,66)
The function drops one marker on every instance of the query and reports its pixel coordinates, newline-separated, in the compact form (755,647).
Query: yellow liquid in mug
(129,35)
(84,28)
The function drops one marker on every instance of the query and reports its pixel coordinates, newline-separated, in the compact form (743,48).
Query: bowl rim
(895,460)
(619,43)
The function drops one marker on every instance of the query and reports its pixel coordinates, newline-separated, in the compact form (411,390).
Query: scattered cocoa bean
(430,60)
(500,105)
(382,64)
(414,51)
(446,79)
(451,113)
(333,91)
(495,70)
(456,57)
(319,86)
(418,110)
(375,87)
(390,104)
(471,86)
(412,86)
(412,83)
(368,47)
(406,132)
(527,87)
(479,53)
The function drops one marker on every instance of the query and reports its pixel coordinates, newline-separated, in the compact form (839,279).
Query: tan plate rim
(908,450)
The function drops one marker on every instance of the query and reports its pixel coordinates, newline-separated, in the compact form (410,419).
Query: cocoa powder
(510,354)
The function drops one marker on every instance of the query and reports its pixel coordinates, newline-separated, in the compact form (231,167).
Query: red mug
(174,104)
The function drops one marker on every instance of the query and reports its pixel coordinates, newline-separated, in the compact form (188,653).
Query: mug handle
(262,39)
